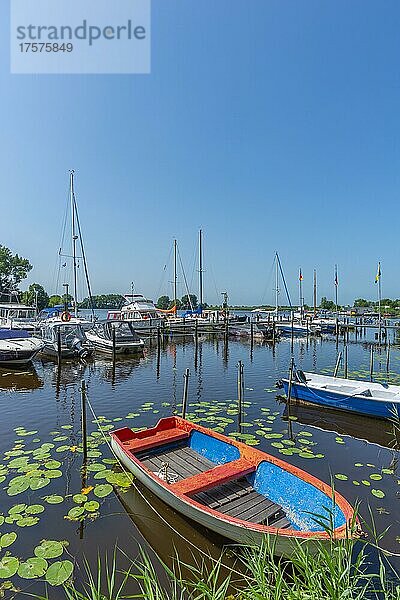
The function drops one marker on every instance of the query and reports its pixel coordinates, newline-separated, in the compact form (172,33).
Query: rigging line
(268,283)
(185,280)
(283,279)
(163,272)
(61,243)
(83,254)
(132,478)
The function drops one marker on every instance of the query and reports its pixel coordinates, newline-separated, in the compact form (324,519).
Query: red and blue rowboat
(233,489)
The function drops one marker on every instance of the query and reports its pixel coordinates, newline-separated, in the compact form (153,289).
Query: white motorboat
(139,311)
(17,347)
(65,338)
(127,340)
(14,315)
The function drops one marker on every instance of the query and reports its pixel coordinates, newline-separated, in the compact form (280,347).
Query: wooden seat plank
(158,438)
(214,477)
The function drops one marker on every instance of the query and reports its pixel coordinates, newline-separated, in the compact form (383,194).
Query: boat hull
(333,400)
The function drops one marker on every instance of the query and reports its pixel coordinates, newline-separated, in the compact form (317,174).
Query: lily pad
(38,483)
(76,512)
(35,509)
(375,476)
(54,499)
(341,477)
(91,506)
(101,491)
(8,566)
(7,539)
(59,572)
(378,493)
(32,568)
(49,549)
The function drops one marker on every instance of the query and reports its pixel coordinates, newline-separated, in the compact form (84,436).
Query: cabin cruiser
(127,340)
(17,347)
(14,315)
(67,338)
(139,311)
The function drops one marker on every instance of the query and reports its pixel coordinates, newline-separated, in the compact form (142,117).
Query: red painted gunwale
(131,442)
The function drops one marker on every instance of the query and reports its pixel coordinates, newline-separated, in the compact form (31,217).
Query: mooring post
(388,356)
(185,392)
(158,335)
(371,364)
(291,370)
(336,369)
(346,360)
(240,384)
(251,335)
(113,344)
(292,329)
(59,346)
(83,419)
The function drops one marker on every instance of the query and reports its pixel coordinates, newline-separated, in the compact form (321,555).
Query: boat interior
(214,473)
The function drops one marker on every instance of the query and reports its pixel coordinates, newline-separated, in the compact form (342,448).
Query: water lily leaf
(355,482)
(22,486)
(378,493)
(49,549)
(1,520)
(271,436)
(101,491)
(62,448)
(7,539)
(35,509)
(365,482)
(52,464)
(59,572)
(66,427)
(76,512)
(53,473)
(54,499)
(16,509)
(38,483)
(91,506)
(388,471)
(8,566)
(79,498)
(96,467)
(375,476)
(341,477)
(32,568)
(27,521)
(60,438)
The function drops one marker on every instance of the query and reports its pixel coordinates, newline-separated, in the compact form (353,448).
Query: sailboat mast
(200,270)
(175,273)
(336,290)
(276,284)
(301,292)
(74,238)
(315,293)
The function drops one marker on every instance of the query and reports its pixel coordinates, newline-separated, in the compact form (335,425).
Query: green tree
(54,300)
(36,290)
(185,304)
(164,302)
(361,302)
(327,304)
(13,269)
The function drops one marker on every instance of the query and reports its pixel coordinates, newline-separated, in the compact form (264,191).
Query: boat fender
(300,376)
(65,317)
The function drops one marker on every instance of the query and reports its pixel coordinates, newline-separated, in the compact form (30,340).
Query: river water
(41,405)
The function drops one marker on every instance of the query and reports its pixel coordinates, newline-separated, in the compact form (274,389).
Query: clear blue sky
(271,124)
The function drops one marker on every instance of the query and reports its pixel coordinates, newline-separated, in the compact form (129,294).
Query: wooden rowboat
(233,489)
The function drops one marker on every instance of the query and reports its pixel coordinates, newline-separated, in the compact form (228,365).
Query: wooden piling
(346,361)
(289,395)
(59,346)
(336,369)
(388,356)
(185,392)
(83,421)
(114,351)
(371,364)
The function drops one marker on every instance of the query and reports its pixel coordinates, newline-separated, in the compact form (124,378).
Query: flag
(378,273)
(300,276)
(336,277)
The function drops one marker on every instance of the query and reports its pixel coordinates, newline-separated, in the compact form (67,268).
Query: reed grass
(333,571)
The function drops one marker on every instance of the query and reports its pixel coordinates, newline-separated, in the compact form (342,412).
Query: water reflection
(375,431)
(18,380)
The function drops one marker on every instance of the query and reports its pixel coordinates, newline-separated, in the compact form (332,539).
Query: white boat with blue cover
(17,347)
(362,397)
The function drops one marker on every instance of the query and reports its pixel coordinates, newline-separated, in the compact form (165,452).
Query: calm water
(45,403)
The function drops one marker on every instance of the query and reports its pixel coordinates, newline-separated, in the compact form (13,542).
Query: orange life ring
(65,317)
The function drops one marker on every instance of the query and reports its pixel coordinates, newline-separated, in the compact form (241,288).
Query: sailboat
(63,331)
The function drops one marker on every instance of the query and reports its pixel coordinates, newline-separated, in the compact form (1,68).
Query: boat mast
(276,284)
(74,238)
(200,270)
(301,292)
(175,273)
(336,290)
(315,293)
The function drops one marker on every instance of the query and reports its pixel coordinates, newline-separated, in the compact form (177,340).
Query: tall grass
(336,571)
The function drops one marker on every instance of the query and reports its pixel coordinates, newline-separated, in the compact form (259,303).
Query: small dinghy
(17,347)
(233,489)
(362,397)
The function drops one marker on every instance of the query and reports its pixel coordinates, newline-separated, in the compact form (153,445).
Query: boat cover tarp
(9,334)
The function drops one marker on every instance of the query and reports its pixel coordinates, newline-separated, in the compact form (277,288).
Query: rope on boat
(132,480)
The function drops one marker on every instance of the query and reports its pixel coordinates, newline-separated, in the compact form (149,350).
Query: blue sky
(271,124)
